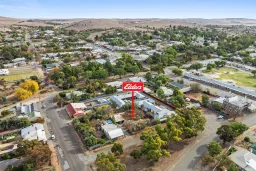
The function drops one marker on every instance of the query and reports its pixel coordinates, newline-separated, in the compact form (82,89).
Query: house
(34,132)
(119,102)
(33,116)
(244,159)
(235,105)
(75,109)
(149,107)
(140,102)
(163,114)
(111,131)
(137,79)
(51,66)
(19,60)
(100,61)
(117,84)
(76,93)
(29,108)
(4,72)
(167,91)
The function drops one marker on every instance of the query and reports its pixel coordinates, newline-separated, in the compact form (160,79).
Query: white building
(151,107)
(167,91)
(244,159)
(119,102)
(137,79)
(34,132)
(112,132)
(117,84)
(163,114)
(4,72)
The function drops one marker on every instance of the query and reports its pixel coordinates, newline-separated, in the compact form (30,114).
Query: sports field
(21,73)
(231,75)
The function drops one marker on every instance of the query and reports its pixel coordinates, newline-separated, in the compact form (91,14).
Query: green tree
(214,148)
(254,73)
(109,162)
(205,100)
(148,76)
(117,149)
(119,71)
(233,167)
(160,93)
(190,121)
(135,69)
(226,133)
(5,113)
(177,71)
(196,66)
(238,128)
(100,74)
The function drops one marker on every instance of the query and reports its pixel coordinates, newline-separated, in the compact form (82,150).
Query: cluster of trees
(88,133)
(228,133)
(110,90)
(109,162)
(9,53)
(36,155)
(177,71)
(6,113)
(157,81)
(187,123)
(233,44)
(69,75)
(14,123)
(160,61)
(102,112)
(177,98)
(153,146)
(26,89)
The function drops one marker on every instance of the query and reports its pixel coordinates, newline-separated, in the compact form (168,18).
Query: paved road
(190,159)
(70,150)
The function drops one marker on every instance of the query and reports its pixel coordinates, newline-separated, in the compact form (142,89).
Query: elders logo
(133,86)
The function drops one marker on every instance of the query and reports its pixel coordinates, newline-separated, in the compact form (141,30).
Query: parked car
(220,117)
(53,137)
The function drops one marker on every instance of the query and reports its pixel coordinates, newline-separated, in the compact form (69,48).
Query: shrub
(247,139)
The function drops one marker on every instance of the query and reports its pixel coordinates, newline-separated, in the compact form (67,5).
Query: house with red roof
(75,109)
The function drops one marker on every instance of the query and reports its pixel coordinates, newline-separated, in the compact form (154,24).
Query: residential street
(70,150)
(69,146)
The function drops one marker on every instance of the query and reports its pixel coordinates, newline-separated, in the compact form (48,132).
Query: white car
(53,137)
(220,117)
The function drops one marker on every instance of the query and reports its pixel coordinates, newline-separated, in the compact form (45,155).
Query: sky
(128,8)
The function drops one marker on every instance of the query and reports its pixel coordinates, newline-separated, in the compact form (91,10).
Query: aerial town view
(127,85)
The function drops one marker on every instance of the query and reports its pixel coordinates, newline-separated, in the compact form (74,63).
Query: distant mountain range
(84,24)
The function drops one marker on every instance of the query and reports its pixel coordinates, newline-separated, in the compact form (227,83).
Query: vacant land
(21,73)
(233,76)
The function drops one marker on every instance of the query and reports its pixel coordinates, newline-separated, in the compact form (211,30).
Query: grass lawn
(17,74)
(241,78)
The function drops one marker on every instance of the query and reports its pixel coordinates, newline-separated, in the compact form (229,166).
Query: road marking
(66,165)
(61,152)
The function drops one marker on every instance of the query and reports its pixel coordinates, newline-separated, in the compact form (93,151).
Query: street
(71,156)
